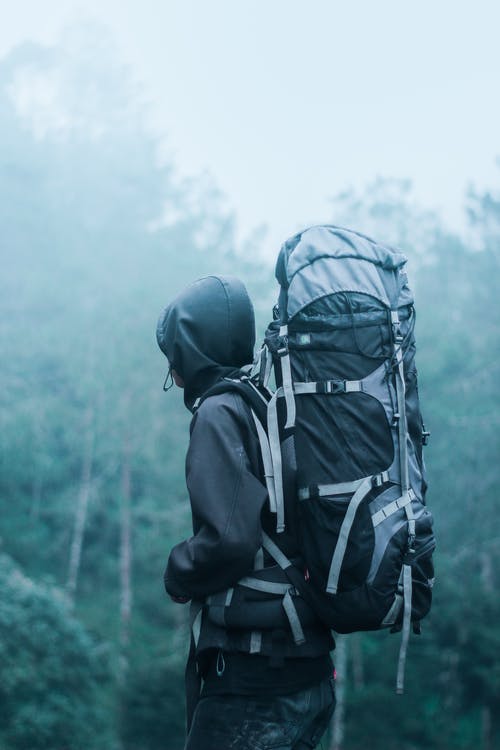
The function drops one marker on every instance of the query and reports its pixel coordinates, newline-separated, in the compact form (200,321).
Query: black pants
(241,722)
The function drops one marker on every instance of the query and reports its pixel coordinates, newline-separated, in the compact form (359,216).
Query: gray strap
(394,611)
(345,529)
(293,619)
(267,462)
(407,593)
(403,457)
(393,507)
(268,587)
(221,598)
(278,556)
(196,614)
(301,389)
(257,392)
(341,488)
(257,364)
(259,559)
(286,374)
(401,399)
(327,387)
(411,520)
(255,641)
(275,448)
(352,386)
(268,368)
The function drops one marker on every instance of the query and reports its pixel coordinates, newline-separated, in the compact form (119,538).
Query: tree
(98,235)
(450,675)
(51,671)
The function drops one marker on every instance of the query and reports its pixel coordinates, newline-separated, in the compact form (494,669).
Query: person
(257,688)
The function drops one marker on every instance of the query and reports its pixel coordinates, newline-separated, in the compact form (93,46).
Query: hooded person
(242,648)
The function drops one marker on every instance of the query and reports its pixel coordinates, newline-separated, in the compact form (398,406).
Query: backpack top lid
(327,259)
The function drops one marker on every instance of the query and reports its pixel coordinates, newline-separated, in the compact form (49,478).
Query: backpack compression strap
(403,467)
(258,404)
(258,400)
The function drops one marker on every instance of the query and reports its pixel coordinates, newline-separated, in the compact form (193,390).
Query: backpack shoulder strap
(256,397)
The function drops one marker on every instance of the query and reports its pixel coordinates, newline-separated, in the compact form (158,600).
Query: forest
(97,235)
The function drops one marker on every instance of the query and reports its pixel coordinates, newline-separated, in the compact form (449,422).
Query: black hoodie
(208,333)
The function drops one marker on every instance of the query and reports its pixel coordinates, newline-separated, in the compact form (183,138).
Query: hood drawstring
(166,385)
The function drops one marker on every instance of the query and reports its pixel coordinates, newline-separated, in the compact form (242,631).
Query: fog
(141,148)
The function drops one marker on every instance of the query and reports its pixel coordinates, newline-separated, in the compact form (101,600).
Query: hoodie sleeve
(226,501)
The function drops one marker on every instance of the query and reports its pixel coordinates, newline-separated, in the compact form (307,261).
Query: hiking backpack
(345,415)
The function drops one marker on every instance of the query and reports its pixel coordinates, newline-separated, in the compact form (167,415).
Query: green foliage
(51,671)
(453,679)
(151,719)
(98,235)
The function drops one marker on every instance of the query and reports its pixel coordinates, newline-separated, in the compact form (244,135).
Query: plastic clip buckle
(330,386)
(411,549)
(282,350)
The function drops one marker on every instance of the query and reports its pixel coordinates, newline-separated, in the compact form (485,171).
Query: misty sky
(285,103)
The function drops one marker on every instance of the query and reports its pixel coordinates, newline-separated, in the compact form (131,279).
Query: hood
(208,332)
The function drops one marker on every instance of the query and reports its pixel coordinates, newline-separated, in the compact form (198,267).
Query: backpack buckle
(313,492)
(379,479)
(396,327)
(282,349)
(330,386)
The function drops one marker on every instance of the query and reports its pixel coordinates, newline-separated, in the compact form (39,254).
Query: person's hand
(180,599)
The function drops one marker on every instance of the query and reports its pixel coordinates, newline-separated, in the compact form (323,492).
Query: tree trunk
(358,666)
(486,728)
(125,553)
(82,505)
(338,721)
(488,584)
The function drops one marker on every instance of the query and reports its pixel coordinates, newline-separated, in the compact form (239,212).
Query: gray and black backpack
(341,438)
(345,416)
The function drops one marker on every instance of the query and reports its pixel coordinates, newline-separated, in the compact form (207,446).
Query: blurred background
(143,145)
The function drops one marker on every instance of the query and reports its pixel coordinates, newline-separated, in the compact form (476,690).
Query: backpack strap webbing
(405,636)
(286,375)
(275,448)
(399,375)
(267,461)
(293,575)
(401,399)
(256,398)
(258,401)
(343,538)
(192,677)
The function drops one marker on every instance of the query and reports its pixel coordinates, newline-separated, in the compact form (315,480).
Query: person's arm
(226,501)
